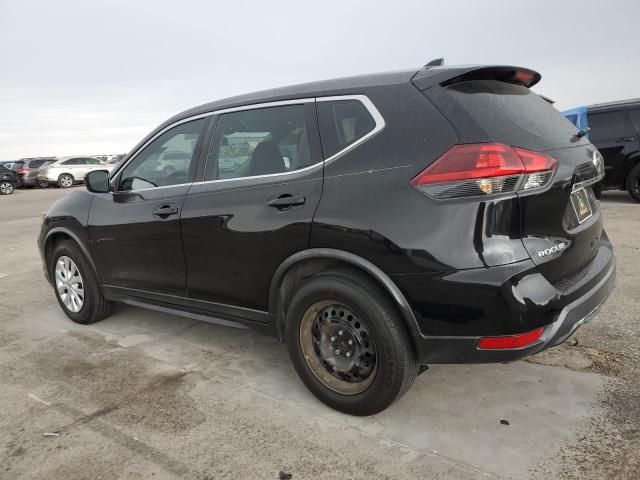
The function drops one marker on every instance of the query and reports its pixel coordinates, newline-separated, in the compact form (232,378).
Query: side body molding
(340,257)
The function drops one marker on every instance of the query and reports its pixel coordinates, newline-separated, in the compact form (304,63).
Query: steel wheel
(43,184)
(69,284)
(65,181)
(338,347)
(6,188)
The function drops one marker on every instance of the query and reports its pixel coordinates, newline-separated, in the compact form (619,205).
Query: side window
(609,125)
(80,161)
(342,122)
(635,116)
(157,166)
(258,142)
(71,161)
(92,161)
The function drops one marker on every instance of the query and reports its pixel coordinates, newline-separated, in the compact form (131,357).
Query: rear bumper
(575,313)
(30,181)
(47,177)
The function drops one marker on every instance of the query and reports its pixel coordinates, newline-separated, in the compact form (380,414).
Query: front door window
(168,160)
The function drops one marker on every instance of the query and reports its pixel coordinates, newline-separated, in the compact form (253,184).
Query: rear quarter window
(342,123)
(514,115)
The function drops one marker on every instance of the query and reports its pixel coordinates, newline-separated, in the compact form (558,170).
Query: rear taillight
(511,341)
(482,169)
(23,170)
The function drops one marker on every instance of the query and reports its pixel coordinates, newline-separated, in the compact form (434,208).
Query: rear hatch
(560,221)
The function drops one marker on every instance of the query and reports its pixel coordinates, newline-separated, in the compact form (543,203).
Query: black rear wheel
(338,346)
(348,343)
(633,182)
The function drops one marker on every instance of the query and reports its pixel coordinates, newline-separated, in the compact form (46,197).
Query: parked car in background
(577,116)
(67,171)
(30,178)
(27,170)
(8,180)
(114,159)
(615,131)
(375,224)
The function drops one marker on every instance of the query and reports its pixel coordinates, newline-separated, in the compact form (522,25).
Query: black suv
(614,131)
(8,180)
(375,224)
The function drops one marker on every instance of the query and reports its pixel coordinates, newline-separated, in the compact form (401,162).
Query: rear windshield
(514,115)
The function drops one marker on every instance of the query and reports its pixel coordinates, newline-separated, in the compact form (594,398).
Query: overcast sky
(88,77)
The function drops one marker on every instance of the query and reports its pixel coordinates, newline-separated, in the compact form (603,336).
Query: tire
(6,188)
(65,180)
(333,297)
(94,305)
(43,184)
(633,182)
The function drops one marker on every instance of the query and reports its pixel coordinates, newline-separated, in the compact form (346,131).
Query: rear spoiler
(428,77)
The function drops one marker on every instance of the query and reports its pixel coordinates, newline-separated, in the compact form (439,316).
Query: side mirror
(97,181)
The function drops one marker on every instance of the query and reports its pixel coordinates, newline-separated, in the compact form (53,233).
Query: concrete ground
(147,395)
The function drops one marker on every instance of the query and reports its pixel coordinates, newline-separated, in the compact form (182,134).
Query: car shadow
(467,412)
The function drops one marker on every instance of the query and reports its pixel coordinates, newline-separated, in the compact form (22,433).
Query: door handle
(165,211)
(625,139)
(286,201)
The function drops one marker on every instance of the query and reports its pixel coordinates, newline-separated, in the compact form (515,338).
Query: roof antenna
(438,62)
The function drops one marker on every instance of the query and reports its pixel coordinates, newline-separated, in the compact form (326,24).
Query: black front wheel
(348,343)
(76,284)
(6,188)
(633,182)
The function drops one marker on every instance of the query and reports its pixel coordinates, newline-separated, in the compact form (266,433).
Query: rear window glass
(36,163)
(514,115)
(342,123)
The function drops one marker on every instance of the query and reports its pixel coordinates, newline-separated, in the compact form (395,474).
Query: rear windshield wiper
(581,133)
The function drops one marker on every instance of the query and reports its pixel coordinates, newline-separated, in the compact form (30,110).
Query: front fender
(66,218)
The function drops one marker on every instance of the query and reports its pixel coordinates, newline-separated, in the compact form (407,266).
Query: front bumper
(464,349)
